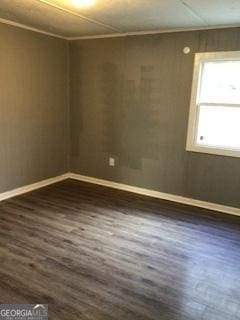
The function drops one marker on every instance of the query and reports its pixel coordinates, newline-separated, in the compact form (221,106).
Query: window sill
(215,151)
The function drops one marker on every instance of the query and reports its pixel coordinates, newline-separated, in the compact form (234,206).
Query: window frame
(200,59)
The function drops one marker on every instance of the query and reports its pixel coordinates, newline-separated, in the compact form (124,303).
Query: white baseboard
(31,187)
(124,187)
(159,195)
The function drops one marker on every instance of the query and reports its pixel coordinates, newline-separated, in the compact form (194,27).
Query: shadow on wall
(131,127)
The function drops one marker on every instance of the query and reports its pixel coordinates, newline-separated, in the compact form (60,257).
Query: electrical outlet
(111,162)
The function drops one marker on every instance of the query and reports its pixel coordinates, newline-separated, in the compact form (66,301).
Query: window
(214,119)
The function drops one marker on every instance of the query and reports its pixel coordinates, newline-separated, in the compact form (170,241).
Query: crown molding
(152,32)
(23,26)
(115,35)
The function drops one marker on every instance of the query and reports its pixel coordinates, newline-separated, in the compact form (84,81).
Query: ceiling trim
(48,3)
(116,35)
(140,33)
(23,26)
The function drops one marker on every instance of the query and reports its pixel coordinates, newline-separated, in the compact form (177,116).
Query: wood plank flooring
(94,253)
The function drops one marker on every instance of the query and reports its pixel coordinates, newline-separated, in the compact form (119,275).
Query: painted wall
(33,107)
(130,100)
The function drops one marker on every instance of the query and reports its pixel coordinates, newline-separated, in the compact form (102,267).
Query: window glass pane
(220,82)
(219,127)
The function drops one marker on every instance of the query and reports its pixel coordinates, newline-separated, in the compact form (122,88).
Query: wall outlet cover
(111,162)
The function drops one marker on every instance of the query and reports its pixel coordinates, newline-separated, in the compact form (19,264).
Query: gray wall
(130,99)
(33,107)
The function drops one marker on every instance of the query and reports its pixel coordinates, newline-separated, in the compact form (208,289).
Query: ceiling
(110,17)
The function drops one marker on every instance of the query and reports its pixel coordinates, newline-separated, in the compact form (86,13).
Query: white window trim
(192,121)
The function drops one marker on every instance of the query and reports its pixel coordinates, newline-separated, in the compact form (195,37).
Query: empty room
(120,160)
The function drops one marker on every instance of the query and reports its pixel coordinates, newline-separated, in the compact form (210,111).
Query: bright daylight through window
(214,120)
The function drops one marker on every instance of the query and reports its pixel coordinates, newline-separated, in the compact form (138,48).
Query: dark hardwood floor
(94,253)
